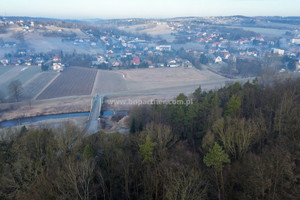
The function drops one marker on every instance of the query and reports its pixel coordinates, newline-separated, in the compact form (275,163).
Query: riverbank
(30,120)
(10,111)
(79,122)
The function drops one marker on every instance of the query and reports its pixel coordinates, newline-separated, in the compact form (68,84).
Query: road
(94,120)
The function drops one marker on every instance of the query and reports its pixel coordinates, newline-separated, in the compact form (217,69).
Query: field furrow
(75,81)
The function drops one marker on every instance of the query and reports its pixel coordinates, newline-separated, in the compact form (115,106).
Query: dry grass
(168,75)
(79,122)
(45,107)
(108,81)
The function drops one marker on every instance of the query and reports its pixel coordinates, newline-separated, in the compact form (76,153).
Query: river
(28,120)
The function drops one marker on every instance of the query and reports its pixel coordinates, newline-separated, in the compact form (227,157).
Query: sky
(106,9)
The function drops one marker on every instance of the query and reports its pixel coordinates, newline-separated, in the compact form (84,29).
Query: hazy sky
(147,8)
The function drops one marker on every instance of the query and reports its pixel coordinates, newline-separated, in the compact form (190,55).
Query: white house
(58,67)
(4,61)
(163,48)
(296,41)
(174,65)
(218,59)
(278,51)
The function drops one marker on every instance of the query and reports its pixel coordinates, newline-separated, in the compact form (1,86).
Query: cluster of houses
(215,44)
(140,59)
(115,50)
(22,57)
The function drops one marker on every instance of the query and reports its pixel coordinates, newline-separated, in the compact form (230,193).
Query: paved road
(94,121)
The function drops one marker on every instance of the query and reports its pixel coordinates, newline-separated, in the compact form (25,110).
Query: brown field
(75,81)
(34,86)
(168,75)
(170,79)
(153,80)
(164,80)
(108,81)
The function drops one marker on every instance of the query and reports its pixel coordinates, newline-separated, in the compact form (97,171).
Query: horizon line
(98,18)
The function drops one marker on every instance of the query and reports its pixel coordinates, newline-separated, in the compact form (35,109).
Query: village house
(135,61)
(296,41)
(4,61)
(163,48)
(56,58)
(278,51)
(226,55)
(218,59)
(58,67)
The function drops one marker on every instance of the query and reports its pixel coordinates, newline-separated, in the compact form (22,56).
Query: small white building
(218,59)
(278,51)
(282,70)
(4,61)
(174,65)
(296,41)
(58,67)
(163,48)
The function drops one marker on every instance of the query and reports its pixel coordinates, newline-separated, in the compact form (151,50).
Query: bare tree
(15,90)
(183,184)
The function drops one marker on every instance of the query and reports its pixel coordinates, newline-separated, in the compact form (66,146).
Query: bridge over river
(93,124)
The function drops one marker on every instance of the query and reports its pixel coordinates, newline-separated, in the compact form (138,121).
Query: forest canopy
(239,142)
